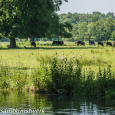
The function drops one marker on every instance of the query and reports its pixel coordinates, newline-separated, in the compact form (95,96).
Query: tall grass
(9,79)
(60,75)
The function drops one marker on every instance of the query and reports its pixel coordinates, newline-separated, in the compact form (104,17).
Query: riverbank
(59,76)
(80,70)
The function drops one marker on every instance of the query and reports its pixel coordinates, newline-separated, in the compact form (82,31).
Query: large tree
(57,29)
(26,18)
(82,30)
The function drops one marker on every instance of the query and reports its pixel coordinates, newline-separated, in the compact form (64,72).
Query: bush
(27,43)
(1,46)
(63,77)
(37,43)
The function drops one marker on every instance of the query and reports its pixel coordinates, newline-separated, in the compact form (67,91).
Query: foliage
(27,18)
(95,26)
(12,79)
(57,29)
(60,76)
(27,43)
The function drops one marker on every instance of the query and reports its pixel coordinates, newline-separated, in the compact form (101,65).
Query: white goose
(93,56)
(55,52)
(73,55)
(80,56)
(63,53)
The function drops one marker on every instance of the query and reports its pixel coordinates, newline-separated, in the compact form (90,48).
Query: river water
(26,103)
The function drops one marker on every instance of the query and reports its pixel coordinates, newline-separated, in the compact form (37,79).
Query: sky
(87,6)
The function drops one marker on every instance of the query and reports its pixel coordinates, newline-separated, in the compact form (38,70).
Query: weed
(92,51)
(107,51)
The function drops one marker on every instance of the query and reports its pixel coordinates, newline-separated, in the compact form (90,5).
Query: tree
(109,27)
(96,13)
(97,30)
(26,18)
(113,35)
(57,29)
(94,18)
(75,32)
(82,30)
(110,14)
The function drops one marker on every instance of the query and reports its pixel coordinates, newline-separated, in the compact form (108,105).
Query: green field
(27,58)
(35,68)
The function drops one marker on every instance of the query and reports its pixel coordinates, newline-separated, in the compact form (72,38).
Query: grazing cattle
(33,44)
(58,42)
(91,43)
(100,43)
(80,42)
(108,43)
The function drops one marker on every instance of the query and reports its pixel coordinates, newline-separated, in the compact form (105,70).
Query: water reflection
(53,104)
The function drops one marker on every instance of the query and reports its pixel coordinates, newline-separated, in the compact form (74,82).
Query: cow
(80,42)
(58,42)
(100,43)
(33,44)
(108,43)
(91,43)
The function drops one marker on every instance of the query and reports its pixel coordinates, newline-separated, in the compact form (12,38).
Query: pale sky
(87,6)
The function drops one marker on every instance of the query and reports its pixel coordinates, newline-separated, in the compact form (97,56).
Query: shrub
(27,43)
(63,77)
(37,43)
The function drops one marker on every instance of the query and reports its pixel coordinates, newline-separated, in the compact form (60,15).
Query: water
(25,103)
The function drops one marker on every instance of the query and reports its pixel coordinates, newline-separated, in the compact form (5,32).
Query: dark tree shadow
(56,47)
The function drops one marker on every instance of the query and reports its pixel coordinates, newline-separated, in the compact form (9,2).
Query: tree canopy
(95,26)
(28,18)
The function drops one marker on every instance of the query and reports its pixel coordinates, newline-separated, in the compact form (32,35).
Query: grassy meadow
(29,57)
(26,67)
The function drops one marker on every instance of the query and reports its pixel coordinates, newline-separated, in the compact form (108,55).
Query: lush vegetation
(95,26)
(81,70)
(30,19)
(41,70)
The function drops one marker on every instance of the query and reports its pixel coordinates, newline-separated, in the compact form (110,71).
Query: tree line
(96,26)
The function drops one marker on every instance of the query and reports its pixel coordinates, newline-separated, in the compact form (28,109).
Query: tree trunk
(12,43)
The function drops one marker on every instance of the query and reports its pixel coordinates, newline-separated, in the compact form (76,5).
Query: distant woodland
(95,26)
